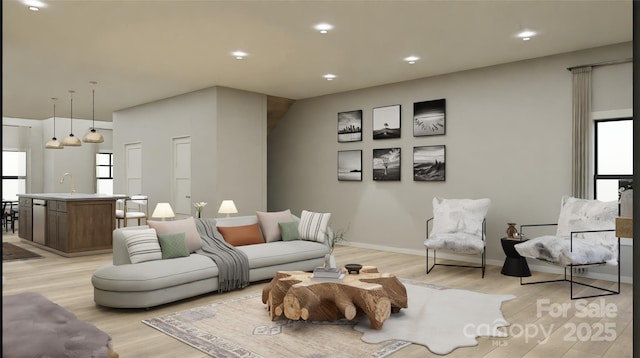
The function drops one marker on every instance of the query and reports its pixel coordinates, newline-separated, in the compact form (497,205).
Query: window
(104,173)
(613,156)
(14,174)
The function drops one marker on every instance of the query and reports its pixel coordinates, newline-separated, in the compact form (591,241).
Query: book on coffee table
(322,272)
(328,279)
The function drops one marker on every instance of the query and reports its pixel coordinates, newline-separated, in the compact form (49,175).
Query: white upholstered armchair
(584,237)
(458,226)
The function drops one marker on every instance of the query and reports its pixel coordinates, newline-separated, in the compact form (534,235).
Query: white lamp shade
(93,137)
(227,207)
(54,144)
(163,210)
(71,141)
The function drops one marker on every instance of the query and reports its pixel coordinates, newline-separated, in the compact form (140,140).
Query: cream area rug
(241,327)
(441,319)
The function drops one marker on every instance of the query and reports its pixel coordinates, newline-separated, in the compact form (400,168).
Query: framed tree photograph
(350,126)
(386,164)
(429,118)
(386,122)
(429,163)
(350,165)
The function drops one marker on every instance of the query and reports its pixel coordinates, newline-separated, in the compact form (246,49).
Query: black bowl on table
(353,268)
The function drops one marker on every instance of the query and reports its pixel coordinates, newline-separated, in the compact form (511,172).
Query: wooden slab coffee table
(296,295)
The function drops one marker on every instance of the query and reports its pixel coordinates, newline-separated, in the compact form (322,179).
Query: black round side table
(514,264)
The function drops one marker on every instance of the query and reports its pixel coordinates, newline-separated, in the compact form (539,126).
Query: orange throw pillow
(241,235)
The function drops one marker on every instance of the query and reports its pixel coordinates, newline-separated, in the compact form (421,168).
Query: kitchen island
(68,224)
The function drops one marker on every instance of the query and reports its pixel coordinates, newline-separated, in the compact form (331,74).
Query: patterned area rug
(12,252)
(241,327)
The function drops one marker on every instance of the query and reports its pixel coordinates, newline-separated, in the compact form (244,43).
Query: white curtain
(581,137)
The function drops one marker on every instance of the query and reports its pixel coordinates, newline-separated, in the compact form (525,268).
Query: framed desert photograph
(386,122)
(429,118)
(350,126)
(350,165)
(429,163)
(386,164)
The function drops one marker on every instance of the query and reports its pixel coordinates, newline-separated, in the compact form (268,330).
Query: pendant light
(71,141)
(93,136)
(54,143)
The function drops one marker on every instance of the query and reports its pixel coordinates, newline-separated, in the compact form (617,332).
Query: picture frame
(386,122)
(350,165)
(350,126)
(429,163)
(429,118)
(386,164)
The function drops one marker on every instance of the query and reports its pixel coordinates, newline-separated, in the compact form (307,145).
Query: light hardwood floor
(67,282)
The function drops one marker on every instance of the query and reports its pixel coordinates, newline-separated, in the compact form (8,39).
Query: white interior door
(182,176)
(133,168)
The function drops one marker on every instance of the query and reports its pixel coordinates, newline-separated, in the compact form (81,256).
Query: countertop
(72,197)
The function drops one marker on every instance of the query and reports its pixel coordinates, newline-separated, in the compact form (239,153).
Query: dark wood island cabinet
(68,224)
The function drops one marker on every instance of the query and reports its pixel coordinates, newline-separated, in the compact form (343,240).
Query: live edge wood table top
(296,295)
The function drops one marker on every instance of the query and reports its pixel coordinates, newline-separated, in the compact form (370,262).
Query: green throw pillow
(173,245)
(289,231)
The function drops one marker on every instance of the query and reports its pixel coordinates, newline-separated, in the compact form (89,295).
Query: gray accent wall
(508,133)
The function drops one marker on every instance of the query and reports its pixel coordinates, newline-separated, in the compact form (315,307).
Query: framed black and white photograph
(386,164)
(350,126)
(350,165)
(386,122)
(429,118)
(429,163)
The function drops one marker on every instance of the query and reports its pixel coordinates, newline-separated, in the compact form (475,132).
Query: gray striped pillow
(142,245)
(313,226)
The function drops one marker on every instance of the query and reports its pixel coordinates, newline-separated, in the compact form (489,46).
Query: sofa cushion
(241,235)
(142,245)
(289,231)
(173,245)
(188,226)
(313,226)
(282,252)
(269,223)
(154,275)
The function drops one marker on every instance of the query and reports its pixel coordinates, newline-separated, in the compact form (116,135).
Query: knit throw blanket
(233,265)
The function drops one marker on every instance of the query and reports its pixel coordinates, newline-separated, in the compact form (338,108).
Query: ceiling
(142,51)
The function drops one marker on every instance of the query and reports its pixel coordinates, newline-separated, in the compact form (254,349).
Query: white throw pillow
(269,223)
(313,226)
(583,214)
(142,245)
(459,215)
(188,226)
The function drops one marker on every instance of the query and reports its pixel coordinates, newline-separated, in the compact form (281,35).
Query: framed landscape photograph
(386,122)
(350,165)
(386,164)
(429,118)
(350,126)
(429,163)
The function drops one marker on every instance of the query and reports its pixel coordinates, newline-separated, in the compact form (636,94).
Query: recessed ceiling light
(323,27)
(329,76)
(239,55)
(34,5)
(411,59)
(526,35)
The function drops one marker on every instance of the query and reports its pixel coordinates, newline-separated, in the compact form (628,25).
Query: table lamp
(227,207)
(163,211)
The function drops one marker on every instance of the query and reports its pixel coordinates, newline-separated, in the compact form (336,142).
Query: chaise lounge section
(124,284)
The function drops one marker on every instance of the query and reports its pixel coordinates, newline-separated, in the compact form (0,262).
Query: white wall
(46,166)
(228,146)
(508,132)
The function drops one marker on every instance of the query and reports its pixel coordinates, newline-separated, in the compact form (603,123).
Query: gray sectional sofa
(152,283)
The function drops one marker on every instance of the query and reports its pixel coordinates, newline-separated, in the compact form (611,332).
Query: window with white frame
(613,160)
(14,174)
(104,173)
